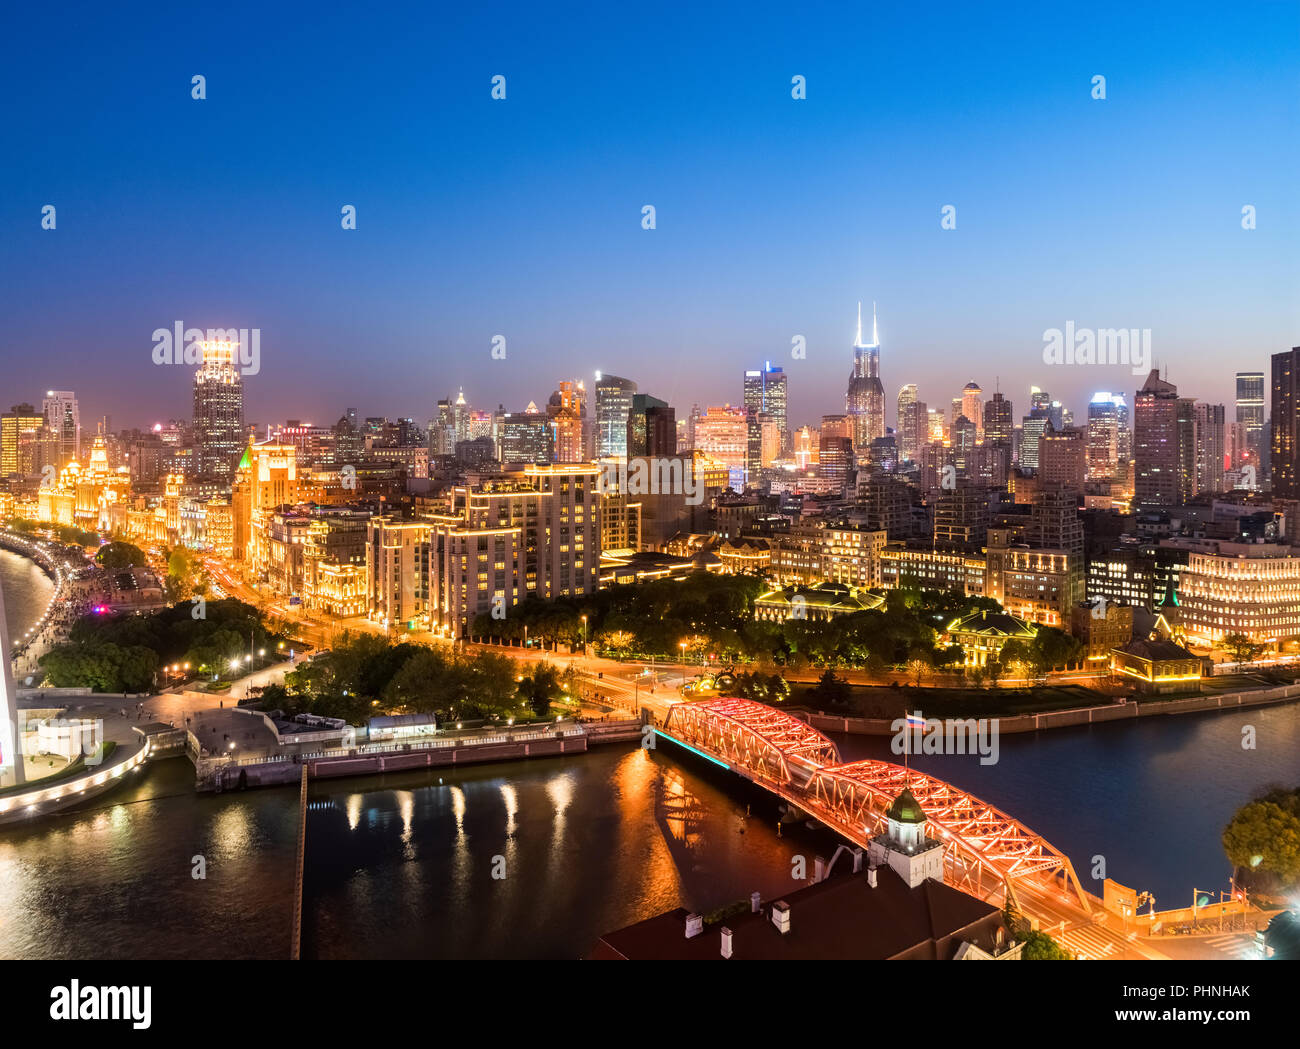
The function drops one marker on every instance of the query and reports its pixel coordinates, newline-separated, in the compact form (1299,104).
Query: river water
(535,859)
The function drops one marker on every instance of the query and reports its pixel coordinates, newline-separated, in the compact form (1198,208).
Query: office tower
(836,426)
(18,427)
(1039,398)
(762,442)
(883,453)
(723,432)
(906,397)
(527,437)
(964,438)
(1063,457)
(938,431)
(836,458)
(651,427)
(1209,429)
(765,391)
(218,412)
(1124,424)
(449,426)
(1186,449)
(998,425)
(1250,413)
(613,406)
(63,417)
(1103,437)
(1284,453)
(865,400)
(913,430)
(972,406)
(1155,443)
(1032,428)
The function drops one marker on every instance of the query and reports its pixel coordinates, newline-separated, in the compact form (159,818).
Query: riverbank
(1123,711)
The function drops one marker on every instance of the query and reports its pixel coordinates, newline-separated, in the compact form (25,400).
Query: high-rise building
(765,392)
(1155,443)
(1186,449)
(1250,413)
(723,432)
(1063,458)
(18,427)
(913,430)
(613,406)
(1285,423)
(218,412)
(1032,428)
(527,437)
(63,417)
(865,400)
(972,406)
(1103,437)
(651,427)
(906,398)
(998,425)
(1210,440)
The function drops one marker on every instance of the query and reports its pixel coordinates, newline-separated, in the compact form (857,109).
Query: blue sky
(522,218)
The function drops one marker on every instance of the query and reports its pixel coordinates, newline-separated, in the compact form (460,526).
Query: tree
(831,690)
(1053,648)
(618,641)
(1265,836)
(540,687)
(116,556)
(1241,647)
(1039,947)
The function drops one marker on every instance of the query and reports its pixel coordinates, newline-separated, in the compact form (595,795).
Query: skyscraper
(998,426)
(1285,421)
(218,412)
(1250,413)
(613,405)
(1103,437)
(1209,420)
(972,406)
(765,391)
(865,400)
(63,417)
(1155,443)
(651,427)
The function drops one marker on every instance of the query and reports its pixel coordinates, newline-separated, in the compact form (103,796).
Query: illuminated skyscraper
(1250,413)
(1285,421)
(218,412)
(63,417)
(972,407)
(1155,443)
(865,400)
(1103,437)
(613,405)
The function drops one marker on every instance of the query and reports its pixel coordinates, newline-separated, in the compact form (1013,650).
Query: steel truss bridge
(986,852)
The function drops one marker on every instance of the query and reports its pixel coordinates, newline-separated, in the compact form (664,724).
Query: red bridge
(986,851)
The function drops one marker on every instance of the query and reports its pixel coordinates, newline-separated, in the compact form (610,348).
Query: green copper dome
(905,809)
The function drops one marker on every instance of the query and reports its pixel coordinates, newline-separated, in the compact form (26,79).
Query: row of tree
(363,675)
(121,653)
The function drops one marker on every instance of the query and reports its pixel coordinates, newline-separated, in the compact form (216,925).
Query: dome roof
(905,809)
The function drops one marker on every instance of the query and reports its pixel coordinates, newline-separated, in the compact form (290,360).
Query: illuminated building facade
(1239,588)
(218,411)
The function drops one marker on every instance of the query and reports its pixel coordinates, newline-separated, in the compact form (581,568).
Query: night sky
(522,217)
